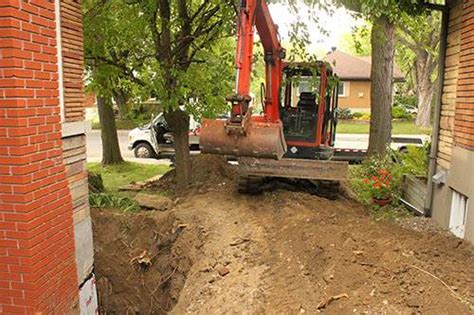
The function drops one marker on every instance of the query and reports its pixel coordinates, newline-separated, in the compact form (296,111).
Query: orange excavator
(294,135)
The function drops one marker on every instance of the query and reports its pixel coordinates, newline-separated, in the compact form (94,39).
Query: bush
(111,201)
(362,116)
(377,176)
(405,101)
(382,176)
(344,113)
(415,160)
(357,115)
(400,112)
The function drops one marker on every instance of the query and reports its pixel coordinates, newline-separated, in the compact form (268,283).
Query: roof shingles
(349,67)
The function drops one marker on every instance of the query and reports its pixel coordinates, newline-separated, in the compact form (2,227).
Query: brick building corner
(46,251)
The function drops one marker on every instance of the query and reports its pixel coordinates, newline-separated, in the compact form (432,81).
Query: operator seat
(307,101)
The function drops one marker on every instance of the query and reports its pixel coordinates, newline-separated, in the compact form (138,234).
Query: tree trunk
(383,48)
(110,144)
(122,103)
(178,121)
(424,89)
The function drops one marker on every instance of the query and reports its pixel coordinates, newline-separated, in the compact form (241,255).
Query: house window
(343,89)
(458,217)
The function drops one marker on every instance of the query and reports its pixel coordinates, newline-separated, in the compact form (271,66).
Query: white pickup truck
(154,140)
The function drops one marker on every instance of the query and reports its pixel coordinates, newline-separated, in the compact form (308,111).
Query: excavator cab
(308,110)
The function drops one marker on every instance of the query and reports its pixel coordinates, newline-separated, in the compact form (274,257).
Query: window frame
(346,89)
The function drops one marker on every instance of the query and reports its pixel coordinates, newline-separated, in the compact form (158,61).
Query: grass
(122,124)
(116,176)
(399,128)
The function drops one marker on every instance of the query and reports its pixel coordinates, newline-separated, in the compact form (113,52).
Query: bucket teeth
(262,139)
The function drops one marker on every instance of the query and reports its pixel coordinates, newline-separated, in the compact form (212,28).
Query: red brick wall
(37,266)
(464,116)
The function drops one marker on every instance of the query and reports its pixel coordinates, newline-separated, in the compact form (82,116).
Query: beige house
(354,72)
(451,180)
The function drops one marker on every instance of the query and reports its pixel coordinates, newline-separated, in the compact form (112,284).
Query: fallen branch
(457,296)
(163,281)
(326,302)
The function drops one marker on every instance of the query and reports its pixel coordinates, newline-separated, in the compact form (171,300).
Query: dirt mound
(219,252)
(207,172)
(141,262)
(288,252)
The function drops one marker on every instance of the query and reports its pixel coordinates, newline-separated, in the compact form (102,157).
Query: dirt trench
(280,252)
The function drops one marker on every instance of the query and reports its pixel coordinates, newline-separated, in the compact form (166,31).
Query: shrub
(378,176)
(344,113)
(357,115)
(405,101)
(415,161)
(400,112)
(362,116)
(380,186)
(104,200)
(382,176)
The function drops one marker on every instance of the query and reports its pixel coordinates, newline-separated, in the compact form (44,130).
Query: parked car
(155,140)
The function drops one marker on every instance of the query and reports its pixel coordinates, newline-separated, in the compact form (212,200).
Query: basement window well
(458,216)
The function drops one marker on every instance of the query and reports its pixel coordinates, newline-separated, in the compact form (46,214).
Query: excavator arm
(244,134)
(256,13)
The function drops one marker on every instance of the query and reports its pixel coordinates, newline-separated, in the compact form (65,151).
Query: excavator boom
(244,134)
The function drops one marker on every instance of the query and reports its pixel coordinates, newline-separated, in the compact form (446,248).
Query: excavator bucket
(260,140)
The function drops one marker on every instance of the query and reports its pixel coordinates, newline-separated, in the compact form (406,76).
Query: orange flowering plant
(380,186)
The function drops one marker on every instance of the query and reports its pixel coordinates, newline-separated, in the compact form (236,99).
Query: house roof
(349,67)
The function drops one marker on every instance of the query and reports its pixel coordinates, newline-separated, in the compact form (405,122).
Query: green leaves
(175,51)
(109,201)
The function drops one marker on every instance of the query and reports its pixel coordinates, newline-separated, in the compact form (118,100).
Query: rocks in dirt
(222,271)
(153,202)
(414,301)
(138,186)
(239,241)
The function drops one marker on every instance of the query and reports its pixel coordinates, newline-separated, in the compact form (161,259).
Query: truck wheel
(144,151)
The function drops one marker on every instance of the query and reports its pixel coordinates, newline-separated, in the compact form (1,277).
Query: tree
(421,36)
(383,15)
(110,47)
(357,42)
(180,33)
(110,145)
(383,49)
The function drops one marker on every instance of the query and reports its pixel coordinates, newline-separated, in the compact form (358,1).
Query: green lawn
(116,176)
(399,128)
(121,124)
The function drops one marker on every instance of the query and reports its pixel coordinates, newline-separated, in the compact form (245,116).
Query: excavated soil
(280,252)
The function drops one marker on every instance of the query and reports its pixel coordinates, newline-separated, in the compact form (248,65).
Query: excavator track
(251,185)
(327,189)
(254,185)
(321,178)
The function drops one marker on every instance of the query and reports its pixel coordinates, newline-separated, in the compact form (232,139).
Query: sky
(336,25)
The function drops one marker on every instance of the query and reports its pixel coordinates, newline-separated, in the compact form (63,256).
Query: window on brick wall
(458,216)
